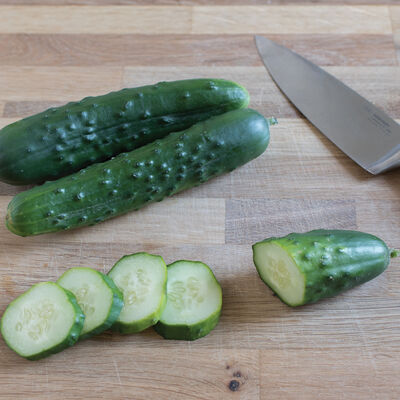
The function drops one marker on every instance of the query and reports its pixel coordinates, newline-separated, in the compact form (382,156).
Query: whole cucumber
(303,268)
(148,174)
(60,141)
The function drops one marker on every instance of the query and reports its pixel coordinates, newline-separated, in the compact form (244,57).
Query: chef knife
(361,130)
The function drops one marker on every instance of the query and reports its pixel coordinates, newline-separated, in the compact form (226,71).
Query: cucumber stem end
(394,253)
(272,121)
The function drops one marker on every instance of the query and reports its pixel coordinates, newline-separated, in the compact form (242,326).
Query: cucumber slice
(303,268)
(42,321)
(194,302)
(142,279)
(97,295)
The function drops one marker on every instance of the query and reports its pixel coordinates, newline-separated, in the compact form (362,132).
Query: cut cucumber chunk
(142,279)
(194,302)
(97,295)
(302,268)
(44,320)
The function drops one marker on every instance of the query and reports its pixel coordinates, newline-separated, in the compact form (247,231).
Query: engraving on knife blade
(378,121)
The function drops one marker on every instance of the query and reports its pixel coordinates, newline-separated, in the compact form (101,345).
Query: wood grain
(207,378)
(18,109)
(197,2)
(388,213)
(295,19)
(106,19)
(58,83)
(347,347)
(196,19)
(359,374)
(253,220)
(211,50)
(395,15)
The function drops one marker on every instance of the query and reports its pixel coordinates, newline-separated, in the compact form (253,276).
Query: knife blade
(361,130)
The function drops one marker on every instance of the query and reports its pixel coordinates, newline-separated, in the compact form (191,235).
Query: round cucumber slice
(42,321)
(142,279)
(97,295)
(194,302)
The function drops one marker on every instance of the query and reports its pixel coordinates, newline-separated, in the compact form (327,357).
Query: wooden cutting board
(348,347)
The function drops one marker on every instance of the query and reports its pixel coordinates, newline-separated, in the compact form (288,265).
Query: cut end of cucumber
(279,271)
(39,320)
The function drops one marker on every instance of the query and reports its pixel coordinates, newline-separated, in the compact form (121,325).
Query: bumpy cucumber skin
(333,261)
(72,336)
(139,326)
(190,332)
(114,310)
(60,141)
(148,174)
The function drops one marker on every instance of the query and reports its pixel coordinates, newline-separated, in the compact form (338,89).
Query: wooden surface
(348,347)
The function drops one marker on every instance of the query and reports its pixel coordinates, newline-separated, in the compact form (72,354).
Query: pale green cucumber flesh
(100,300)
(279,271)
(142,279)
(194,302)
(42,321)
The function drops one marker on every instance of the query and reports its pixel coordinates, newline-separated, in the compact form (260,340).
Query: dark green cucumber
(60,141)
(42,321)
(303,268)
(97,295)
(145,175)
